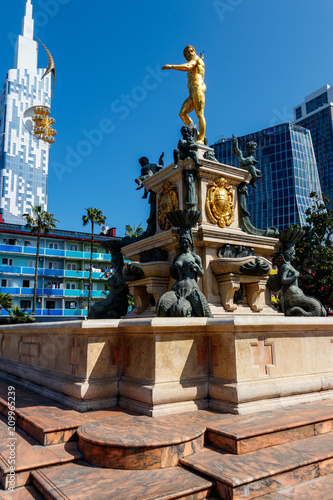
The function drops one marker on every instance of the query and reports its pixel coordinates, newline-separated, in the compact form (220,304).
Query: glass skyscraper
(316,114)
(23,157)
(289,174)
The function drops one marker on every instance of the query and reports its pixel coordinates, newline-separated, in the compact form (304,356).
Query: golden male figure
(195,68)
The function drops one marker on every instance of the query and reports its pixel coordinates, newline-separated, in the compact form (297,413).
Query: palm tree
(133,232)
(94,216)
(39,222)
(6,301)
(17,315)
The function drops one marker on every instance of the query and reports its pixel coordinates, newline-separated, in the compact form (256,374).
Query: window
(70,305)
(7,262)
(298,112)
(86,286)
(26,284)
(54,246)
(27,244)
(70,286)
(316,102)
(26,304)
(50,304)
(71,267)
(88,249)
(6,283)
(9,241)
(72,247)
(31,263)
(53,265)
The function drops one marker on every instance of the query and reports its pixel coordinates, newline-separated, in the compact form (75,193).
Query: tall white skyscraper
(23,157)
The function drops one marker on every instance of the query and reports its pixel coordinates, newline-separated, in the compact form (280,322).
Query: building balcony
(84,293)
(51,292)
(50,252)
(71,254)
(53,312)
(84,274)
(16,249)
(62,273)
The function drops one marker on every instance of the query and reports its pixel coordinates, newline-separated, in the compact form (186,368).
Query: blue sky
(113,105)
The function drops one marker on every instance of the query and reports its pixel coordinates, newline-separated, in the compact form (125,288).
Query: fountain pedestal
(218,201)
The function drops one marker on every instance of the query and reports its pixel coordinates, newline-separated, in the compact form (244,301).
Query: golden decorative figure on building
(167,201)
(195,68)
(220,203)
(50,64)
(42,124)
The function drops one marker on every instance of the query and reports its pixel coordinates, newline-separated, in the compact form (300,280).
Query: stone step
(24,493)
(320,488)
(244,433)
(147,444)
(46,420)
(80,481)
(23,452)
(267,470)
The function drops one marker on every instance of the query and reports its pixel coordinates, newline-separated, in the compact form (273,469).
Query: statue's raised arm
(235,148)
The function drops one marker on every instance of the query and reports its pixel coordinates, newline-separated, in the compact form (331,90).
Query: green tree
(133,232)
(38,223)
(94,216)
(314,253)
(6,301)
(17,315)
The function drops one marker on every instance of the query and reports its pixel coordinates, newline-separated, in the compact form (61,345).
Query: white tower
(26,48)
(23,157)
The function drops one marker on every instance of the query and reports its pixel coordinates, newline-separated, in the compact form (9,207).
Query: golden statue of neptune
(195,68)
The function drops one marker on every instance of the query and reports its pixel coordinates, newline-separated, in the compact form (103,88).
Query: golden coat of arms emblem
(167,201)
(220,203)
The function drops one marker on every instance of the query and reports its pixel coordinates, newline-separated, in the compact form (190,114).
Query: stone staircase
(274,455)
(115,454)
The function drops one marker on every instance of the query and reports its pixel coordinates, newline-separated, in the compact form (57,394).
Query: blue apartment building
(63,270)
(289,174)
(64,261)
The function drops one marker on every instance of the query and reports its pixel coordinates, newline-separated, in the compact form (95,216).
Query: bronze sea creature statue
(116,303)
(147,170)
(293,301)
(187,146)
(247,160)
(185,299)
